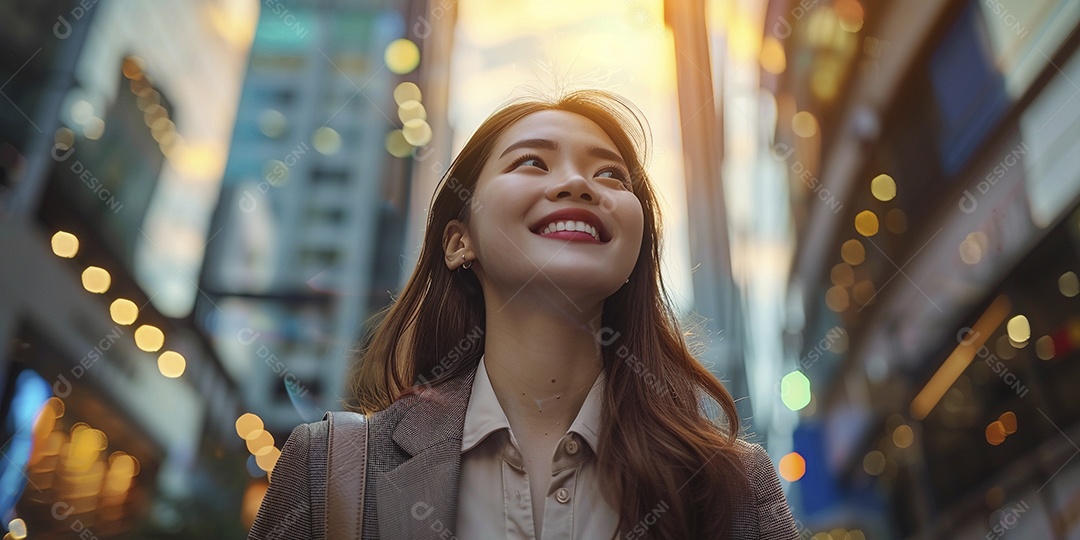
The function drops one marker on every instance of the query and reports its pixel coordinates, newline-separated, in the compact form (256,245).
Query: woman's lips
(571,236)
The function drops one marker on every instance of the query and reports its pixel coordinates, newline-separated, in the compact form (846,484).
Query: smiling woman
(543,242)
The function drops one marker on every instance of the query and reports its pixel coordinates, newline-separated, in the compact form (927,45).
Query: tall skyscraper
(309,224)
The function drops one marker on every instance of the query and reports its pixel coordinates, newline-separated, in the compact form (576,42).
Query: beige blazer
(414,466)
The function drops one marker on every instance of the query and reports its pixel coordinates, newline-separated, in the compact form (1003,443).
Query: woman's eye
(529,161)
(617,174)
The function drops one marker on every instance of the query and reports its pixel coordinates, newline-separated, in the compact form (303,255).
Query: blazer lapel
(418,499)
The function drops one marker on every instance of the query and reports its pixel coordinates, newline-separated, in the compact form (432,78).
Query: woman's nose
(575,187)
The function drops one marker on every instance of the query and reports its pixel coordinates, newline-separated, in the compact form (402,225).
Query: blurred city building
(117,413)
(308,234)
(931,151)
(310,218)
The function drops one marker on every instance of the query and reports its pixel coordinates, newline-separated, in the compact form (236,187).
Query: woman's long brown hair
(671,471)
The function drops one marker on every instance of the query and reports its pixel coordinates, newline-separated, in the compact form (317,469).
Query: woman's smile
(573,224)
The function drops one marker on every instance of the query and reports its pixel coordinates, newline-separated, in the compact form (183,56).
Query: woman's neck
(542,364)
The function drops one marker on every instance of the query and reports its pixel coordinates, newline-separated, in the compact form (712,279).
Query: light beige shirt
(494,500)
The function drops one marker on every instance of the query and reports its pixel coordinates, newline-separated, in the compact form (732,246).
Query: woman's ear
(457,245)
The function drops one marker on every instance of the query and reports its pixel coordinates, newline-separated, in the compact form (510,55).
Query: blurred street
(872,219)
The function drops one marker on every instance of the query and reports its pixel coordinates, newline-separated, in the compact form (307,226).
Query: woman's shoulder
(771,515)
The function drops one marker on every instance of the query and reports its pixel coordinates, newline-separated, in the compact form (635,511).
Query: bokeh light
(402,56)
(792,467)
(171,364)
(853,252)
(866,223)
(407,91)
(396,144)
(149,338)
(883,187)
(773,58)
(1019,329)
(247,424)
(1068,284)
(65,244)
(326,140)
(417,132)
(804,124)
(795,390)
(96,279)
(123,311)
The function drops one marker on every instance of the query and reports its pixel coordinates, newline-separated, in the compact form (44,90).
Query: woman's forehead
(562,127)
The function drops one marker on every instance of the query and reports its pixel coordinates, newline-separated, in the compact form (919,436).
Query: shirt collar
(485,415)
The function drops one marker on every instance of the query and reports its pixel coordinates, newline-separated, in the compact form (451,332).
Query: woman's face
(553,207)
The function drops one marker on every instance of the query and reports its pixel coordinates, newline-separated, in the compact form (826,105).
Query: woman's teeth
(579,226)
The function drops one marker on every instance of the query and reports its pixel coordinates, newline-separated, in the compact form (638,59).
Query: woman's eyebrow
(546,144)
(604,153)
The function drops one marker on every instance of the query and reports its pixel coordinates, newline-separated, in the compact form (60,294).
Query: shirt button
(562,495)
(571,447)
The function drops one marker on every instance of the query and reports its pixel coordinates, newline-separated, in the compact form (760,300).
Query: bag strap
(346,474)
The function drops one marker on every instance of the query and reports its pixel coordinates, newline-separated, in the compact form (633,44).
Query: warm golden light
(123,311)
(836,298)
(96,279)
(773,59)
(65,244)
(402,56)
(974,247)
(960,359)
(259,440)
(826,78)
(17,529)
(94,128)
(249,505)
(903,436)
(247,424)
(1044,348)
(149,338)
(1019,329)
(267,459)
(850,14)
(122,469)
(883,187)
(85,447)
(1005,349)
(995,433)
(1008,422)
(863,292)
(411,110)
(853,252)
(417,132)
(171,364)
(396,144)
(792,467)
(273,123)
(1068,284)
(804,124)
(64,138)
(874,463)
(842,275)
(896,221)
(326,140)
(407,91)
(866,223)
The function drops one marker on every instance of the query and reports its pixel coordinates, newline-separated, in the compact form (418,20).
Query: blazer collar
(418,499)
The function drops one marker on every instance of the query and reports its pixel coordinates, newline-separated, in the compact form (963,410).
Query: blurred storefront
(116,410)
(931,150)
